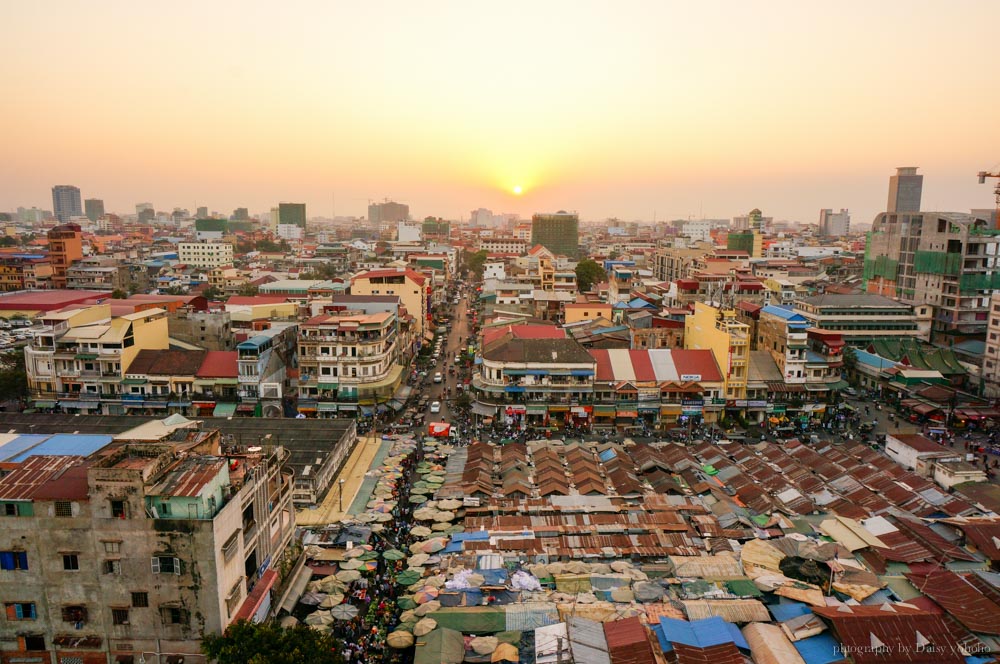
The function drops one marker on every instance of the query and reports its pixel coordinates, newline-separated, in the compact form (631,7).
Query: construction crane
(982,180)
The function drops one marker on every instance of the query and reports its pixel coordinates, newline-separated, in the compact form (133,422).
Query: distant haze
(612,109)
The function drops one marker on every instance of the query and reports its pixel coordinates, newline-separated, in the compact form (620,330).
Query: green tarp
(224,409)
(440,646)
(472,619)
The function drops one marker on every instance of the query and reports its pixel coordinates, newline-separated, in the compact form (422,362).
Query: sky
(634,110)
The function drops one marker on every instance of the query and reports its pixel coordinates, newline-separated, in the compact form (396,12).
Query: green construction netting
(969,283)
(937,262)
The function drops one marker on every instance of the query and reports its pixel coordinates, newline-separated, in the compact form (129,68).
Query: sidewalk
(353,472)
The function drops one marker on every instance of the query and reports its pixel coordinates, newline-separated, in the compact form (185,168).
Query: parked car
(438,377)
(436,407)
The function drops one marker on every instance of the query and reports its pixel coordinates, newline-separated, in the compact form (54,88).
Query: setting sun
(517,190)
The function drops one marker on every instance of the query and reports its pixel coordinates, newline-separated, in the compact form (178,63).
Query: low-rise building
(205,254)
(263,361)
(858,318)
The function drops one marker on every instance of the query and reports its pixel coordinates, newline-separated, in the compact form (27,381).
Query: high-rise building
(834,224)
(145,212)
(66,202)
(293,214)
(65,247)
(905,188)
(558,232)
(388,211)
(202,212)
(241,214)
(93,208)
(754,221)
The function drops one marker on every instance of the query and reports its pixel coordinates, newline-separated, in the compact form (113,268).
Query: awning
(924,408)
(513,388)
(483,409)
(347,406)
(558,409)
(670,409)
(224,410)
(604,410)
(535,410)
(86,356)
(366,410)
(246,408)
(581,372)
(296,588)
(403,393)
(44,403)
(649,408)
(134,381)
(178,404)
(627,413)
(839,385)
(327,386)
(80,404)
(133,404)
(326,407)
(154,404)
(579,410)
(396,404)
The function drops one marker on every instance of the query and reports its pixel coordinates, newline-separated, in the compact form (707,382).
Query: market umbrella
(417,498)
(424,626)
(444,516)
(331,601)
(399,639)
(378,527)
(371,565)
(312,599)
(418,560)
(449,504)
(407,616)
(365,517)
(475,580)
(381,508)
(425,594)
(381,517)
(353,563)
(422,514)
(369,555)
(415,547)
(441,527)
(407,577)
(348,575)
(505,652)
(622,595)
(319,618)
(406,602)
(344,611)
(433,545)
(429,607)
(331,584)
(393,554)
(484,645)
(620,565)
(288,622)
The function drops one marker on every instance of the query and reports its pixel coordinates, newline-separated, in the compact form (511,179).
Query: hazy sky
(609,108)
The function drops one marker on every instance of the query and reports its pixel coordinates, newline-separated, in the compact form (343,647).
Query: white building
(834,224)
(205,254)
(502,245)
(289,232)
(698,230)
(913,451)
(495,270)
(407,231)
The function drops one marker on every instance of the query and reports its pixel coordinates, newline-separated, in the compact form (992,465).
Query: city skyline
(628,112)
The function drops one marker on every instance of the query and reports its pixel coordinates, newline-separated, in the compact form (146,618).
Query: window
(119,616)
(111,567)
(9,509)
(230,547)
(173,615)
(71,562)
(34,642)
(74,614)
(140,600)
(119,509)
(166,565)
(64,508)
(112,547)
(20,611)
(13,560)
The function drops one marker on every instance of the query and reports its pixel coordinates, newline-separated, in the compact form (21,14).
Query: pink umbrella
(425,594)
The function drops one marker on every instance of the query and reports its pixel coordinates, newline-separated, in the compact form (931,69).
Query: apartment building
(348,359)
(205,254)
(77,361)
(65,248)
(720,331)
(783,334)
(132,551)
(409,285)
(263,361)
(859,318)
(24,272)
(991,359)
(948,260)
(502,245)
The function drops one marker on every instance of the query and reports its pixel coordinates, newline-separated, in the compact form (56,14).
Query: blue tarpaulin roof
(608,454)
(819,649)
(63,444)
(455,545)
(701,633)
(787,610)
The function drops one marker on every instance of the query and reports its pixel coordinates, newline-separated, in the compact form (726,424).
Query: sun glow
(517,190)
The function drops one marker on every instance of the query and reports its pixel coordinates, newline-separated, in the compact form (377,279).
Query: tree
(474,262)
(850,363)
(588,273)
(248,290)
(267,643)
(118,294)
(212,293)
(13,376)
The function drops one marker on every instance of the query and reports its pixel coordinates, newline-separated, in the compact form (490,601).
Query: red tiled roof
(983,534)
(218,364)
(692,361)
(641,365)
(376,274)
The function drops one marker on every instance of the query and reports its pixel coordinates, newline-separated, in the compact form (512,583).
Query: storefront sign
(694,377)
(693,402)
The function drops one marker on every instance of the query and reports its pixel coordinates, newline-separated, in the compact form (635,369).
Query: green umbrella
(408,577)
(406,603)
(369,555)
(418,498)
(393,554)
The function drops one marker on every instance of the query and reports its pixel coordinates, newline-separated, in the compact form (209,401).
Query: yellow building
(719,330)
(79,358)
(409,285)
(574,312)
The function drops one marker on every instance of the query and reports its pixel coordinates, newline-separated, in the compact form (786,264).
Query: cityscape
(434,344)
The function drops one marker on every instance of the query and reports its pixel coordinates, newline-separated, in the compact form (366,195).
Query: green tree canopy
(118,294)
(267,643)
(588,273)
(212,293)
(474,262)
(248,290)
(13,377)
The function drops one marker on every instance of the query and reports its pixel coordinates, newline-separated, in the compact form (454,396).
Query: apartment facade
(134,552)
(720,331)
(347,359)
(77,361)
(263,361)
(948,260)
(205,254)
(409,285)
(860,318)
(65,248)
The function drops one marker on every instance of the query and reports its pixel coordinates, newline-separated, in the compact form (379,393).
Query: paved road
(455,343)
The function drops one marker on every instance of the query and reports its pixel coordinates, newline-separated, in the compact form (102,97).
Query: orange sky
(612,109)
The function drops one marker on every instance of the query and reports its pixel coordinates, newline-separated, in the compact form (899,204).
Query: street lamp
(340,496)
